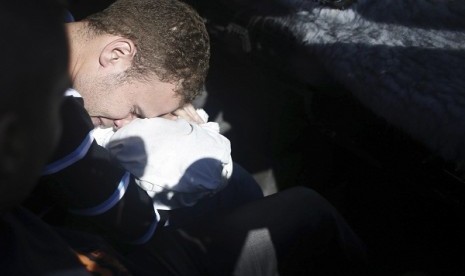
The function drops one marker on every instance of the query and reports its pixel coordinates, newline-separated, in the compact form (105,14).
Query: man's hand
(188,113)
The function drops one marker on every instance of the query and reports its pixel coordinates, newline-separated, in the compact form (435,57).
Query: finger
(170,116)
(193,114)
(188,113)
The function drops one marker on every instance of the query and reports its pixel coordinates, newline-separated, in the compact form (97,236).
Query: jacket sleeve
(94,186)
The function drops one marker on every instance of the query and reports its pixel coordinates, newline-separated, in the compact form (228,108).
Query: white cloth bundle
(175,161)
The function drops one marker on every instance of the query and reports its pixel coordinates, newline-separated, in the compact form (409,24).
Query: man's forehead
(157,98)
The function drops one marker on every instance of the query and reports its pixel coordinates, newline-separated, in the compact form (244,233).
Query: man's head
(145,57)
(33,78)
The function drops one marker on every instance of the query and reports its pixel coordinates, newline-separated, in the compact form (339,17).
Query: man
(32,85)
(148,65)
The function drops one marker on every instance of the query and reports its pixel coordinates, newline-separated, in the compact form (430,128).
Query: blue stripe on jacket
(71,158)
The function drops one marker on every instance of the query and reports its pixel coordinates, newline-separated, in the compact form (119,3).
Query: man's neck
(77,38)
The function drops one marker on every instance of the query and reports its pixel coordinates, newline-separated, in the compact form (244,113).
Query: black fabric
(242,188)
(91,181)
(30,247)
(307,235)
(76,124)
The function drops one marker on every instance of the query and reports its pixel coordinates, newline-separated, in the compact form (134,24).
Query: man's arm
(93,186)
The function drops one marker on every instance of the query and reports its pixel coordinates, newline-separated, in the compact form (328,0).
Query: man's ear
(13,148)
(118,54)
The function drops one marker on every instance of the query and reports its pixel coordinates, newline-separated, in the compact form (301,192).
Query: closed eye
(136,114)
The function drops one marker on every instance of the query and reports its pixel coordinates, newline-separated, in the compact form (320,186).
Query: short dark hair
(170,37)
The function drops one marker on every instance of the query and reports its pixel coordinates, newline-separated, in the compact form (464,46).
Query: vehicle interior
(313,114)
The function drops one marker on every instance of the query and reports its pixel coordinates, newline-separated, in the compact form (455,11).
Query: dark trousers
(293,232)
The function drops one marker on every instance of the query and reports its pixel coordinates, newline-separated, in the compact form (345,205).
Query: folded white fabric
(175,161)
